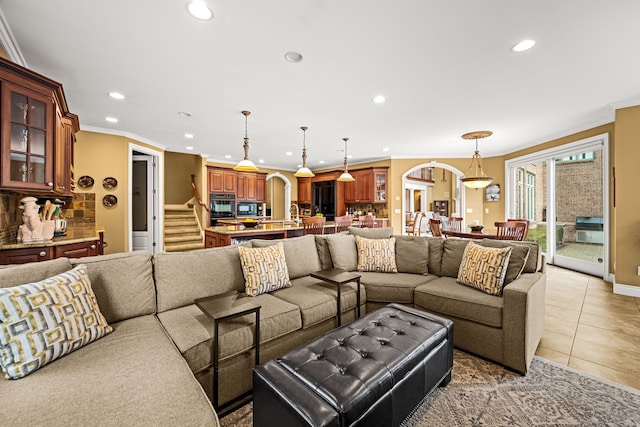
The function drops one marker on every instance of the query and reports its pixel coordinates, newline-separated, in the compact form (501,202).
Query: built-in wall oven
(221,206)
(247,209)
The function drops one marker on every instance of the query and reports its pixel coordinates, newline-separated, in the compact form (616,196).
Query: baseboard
(628,290)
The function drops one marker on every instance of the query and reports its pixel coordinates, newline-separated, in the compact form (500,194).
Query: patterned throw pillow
(264,269)
(43,321)
(484,268)
(377,255)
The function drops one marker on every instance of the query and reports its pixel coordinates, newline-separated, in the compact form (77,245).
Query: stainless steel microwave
(247,209)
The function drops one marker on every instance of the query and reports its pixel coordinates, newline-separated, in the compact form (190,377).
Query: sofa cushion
(484,268)
(123,284)
(43,321)
(322,247)
(317,299)
(300,253)
(133,375)
(452,252)
(14,275)
(372,233)
(265,269)
(436,250)
(447,297)
(412,254)
(192,330)
(207,272)
(344,254)
(517,260)
(376,255)
(385,287)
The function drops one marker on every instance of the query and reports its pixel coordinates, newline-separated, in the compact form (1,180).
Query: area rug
(482,393)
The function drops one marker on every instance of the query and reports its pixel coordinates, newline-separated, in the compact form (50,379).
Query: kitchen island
(234,234)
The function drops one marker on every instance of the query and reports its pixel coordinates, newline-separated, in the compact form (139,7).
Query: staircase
(181,230)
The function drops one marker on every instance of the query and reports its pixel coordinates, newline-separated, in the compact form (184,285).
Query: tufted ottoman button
(363,354)
(320,356)
(382,342)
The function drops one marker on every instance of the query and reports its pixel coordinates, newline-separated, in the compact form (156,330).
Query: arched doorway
(278,196)
(432,176)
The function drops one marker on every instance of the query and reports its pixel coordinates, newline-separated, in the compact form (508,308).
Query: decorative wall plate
(110,183)
(85,181)
(109,200)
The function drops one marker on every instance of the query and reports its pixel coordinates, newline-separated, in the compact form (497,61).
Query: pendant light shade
(246,165)
(346,176)
(475,176)
(304,171)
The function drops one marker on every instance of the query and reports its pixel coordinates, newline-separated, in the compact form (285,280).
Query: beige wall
(627,203)
(99,156)
(178,168)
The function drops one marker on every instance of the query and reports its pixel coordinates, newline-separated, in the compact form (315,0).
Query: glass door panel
(579,211)
(529,202)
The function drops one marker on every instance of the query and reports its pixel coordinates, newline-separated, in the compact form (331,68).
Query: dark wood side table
(220,308)
(339,278)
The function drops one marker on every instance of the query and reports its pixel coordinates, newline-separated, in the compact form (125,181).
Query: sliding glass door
(564,193)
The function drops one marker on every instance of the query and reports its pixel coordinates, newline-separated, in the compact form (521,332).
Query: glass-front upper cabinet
(380,182)
(27,138)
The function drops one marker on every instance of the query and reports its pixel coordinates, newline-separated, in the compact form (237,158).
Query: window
(589,155)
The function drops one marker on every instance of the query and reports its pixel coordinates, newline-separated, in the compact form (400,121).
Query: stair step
(178,216)
(181,222)
(181,229)
(184,247)
(191,237)
(180,210)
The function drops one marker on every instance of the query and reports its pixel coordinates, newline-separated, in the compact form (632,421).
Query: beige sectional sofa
(154,366)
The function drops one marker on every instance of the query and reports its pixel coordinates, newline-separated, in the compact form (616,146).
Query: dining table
(470,234)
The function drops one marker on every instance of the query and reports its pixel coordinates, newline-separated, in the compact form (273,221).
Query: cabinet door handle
(43,253)
(93,246)
(50,184)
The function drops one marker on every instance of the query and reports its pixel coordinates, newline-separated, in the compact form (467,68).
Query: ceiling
(445,68)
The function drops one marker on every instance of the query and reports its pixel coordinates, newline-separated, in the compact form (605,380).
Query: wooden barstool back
(367,221)
(343,223)
(313,225)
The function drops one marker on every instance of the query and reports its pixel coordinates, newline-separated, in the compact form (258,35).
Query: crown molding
(129,135)
(9,43)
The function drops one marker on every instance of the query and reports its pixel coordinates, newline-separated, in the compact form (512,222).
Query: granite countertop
(261,228)
(74,235)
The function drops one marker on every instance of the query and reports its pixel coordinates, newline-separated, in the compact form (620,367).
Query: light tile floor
(589,328)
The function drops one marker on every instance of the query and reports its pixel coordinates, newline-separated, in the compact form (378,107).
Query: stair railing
(196,193)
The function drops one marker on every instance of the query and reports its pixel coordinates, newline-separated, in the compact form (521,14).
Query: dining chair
(511,230)
(313,225)
(434,227)
(343,222)
(526,221)
(367,221)
(409,221)
(417,224)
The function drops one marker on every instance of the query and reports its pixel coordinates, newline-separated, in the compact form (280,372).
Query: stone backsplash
(78,211)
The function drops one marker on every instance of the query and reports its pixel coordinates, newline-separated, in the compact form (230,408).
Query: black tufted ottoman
(371,372)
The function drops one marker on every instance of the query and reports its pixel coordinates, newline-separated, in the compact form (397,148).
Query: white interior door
(142,205)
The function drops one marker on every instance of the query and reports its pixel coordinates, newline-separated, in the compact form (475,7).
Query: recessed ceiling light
(289,153)
(188,135)
(260,160)
(188,147)
(299,166)
(111,119)
(349,156)
(385,149)
(184,114)
(199,9)
(379,99)
(523,45)
(321,162)
(116,95)
(227,156)
(293,57)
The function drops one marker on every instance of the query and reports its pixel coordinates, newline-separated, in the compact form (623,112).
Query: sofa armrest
(523,319)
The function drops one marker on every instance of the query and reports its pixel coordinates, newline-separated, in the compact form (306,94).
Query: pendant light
(475,176)
(304,171)
(246,165)
(346,176)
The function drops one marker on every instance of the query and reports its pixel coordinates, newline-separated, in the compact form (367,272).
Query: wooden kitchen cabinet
(261,187)
(304,191)
(77,250)
(37,133)
(23,256)
(221,180)
(369,186)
